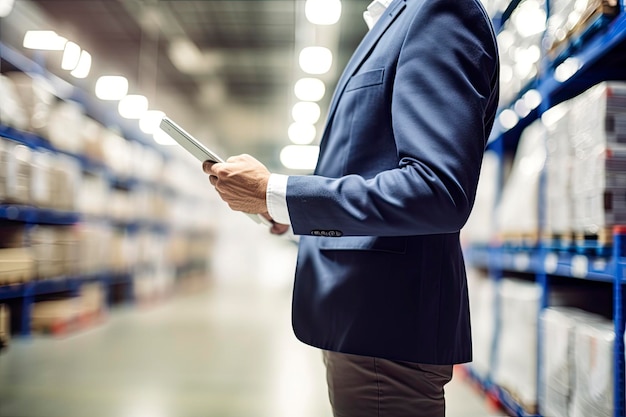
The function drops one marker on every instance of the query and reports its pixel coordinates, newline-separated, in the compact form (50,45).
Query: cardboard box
(5,327)
(16,265)
(594,352)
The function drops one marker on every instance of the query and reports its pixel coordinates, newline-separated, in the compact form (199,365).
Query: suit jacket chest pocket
(366,106)
(366,79)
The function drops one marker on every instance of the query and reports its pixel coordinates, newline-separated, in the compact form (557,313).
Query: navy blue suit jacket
(380,270)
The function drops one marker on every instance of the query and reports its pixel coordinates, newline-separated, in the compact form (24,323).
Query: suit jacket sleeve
(441,106)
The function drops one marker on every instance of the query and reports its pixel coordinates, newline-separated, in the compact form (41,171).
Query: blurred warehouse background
(127,288)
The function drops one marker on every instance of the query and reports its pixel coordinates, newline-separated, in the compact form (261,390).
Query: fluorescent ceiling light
(163,138)
(309,89)
(301,133)
(299,157)
(71,55)
(567,69)
(532,98)
(133,106)
(44,39)
(84,65)
(150,121)
(530,18)
(306,112)
(508,119)
(316,60)
(111,87)
(322,12)
(5,7)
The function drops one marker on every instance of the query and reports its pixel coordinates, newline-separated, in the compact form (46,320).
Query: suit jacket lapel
(363,50)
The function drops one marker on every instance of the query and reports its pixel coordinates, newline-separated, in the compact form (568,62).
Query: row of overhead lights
(309,90)
(108,87)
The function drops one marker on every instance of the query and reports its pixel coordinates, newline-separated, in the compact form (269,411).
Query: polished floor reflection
(225,351)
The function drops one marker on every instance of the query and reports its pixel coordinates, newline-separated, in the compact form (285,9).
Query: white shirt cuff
(276,196)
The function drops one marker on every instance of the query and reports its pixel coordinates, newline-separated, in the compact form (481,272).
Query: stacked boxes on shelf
(517,349)
(586,163)
(131,203)
(5,330)
(515,366)
(482,291)
(577,372)
(569,18)
(581,144)
(517,211)
(593,392)
(17,261)
(58,316)
(519,42)
(598,132)
(558,202)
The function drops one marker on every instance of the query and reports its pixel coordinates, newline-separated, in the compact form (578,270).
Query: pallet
(65,326)
(560,242)
(599,243)
(5,330)
(603,10)
(17,266)
(521,240)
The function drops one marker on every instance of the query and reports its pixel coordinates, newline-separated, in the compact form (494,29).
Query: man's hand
(241,182)
(277,228)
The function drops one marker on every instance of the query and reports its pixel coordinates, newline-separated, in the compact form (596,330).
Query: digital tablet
(200,151)
(191,144)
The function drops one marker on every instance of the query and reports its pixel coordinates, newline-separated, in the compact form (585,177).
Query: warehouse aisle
(225,351)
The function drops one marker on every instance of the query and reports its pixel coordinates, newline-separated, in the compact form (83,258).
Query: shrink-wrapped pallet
(5,327)
(12,111)
(558,370)
(66,126)
(516,355)
(479,228)
(55,316)
(519,43)
(518,210)
(569,18)
(598,140)
(595,377)
(37,97)
(17,173)
(482,295)
(558,203)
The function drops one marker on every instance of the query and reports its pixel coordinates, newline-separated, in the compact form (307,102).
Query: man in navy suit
(380,281)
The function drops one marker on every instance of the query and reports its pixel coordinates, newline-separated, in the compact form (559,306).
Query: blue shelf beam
(601,56)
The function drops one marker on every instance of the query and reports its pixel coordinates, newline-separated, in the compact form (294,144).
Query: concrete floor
(226,351)
(223,352)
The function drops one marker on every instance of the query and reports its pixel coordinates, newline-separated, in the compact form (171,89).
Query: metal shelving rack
(601,54)
(22,296)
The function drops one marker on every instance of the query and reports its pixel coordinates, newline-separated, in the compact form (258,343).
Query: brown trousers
(360,386)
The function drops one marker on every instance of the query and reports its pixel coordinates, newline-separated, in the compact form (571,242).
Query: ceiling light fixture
(71,56)
(84,65)
(150,121)
(322,12)
(5,7)
(309,89)
(299,157)
(111,87)
(301,133)
(306,112)
(133,106)
(47,40)
(315,60)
